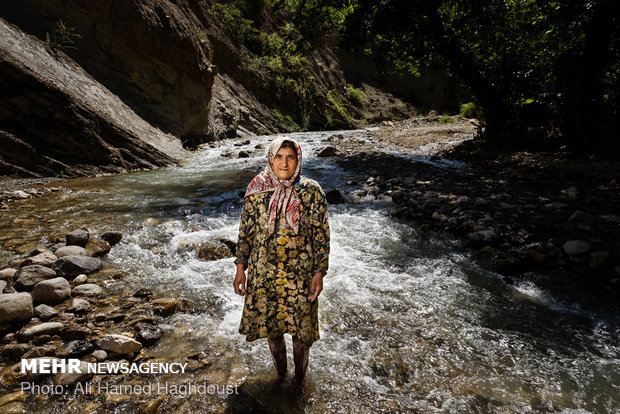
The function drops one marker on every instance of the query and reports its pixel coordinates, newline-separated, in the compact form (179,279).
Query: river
(408,324)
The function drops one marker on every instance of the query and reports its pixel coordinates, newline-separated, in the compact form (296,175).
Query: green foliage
(470,110)
(231,19)
(338,105)
(356,96)
(446,119)
(284,121)
(63,37)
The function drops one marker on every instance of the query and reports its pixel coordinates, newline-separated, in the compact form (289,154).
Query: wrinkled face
(284,163)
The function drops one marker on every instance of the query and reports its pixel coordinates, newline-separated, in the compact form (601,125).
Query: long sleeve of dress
(320,233)
(247,230)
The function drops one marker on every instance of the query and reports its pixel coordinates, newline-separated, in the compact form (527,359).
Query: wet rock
(98,247)
(147,333)
(439,217)
(72,251)
(41,329)
(3,284)
(73,377)
(580,220)
(54,248)
(334,197)
(210,251)
(40,351)
(555,206)
(28,276)
(112,237)
(80,280)
(536,256)
(87,290)
(80,305)
(43,259)
(481,202)
(72,266)
(244,154)
(120,344)
(15,307)
(327,152)
(14,351)
(100,355)
(598,258)
(142,293)
(42,339)
(7,273)
(229,243)
(572,192)
(100,317)
(78,237)
(76,349)
(576,247)
(52,291)
(45,312)
(483,235)
(166,306)
(70,333)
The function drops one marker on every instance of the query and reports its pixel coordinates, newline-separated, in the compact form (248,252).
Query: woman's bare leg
(277,346)
(300,356)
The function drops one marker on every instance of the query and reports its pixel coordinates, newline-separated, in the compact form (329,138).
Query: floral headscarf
(284,197)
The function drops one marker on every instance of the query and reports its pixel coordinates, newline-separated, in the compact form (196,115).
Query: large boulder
(15,307)
(72,266)
(28,276)
(120,344)
(52,291)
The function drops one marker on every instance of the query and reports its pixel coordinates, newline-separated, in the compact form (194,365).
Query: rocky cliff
(55,118)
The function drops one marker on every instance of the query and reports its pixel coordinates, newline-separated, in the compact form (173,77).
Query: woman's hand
(239,283)
(316,287)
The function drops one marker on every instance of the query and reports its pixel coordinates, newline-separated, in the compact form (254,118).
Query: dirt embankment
(546,217)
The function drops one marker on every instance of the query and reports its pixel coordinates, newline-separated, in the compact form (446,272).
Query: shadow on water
(260,395)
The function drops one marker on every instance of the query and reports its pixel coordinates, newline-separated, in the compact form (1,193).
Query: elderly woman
(284,246)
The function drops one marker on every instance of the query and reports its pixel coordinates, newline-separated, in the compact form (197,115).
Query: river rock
(98,247)
(52,291)
(45,312)
(42,328)
(327,152)
(147,333)
(28,276)
(80,280)
(142,293)
(76,348)
(72,266)
(210,251)
(15,307)
(70,333)
(112,237)
(54,248)
(3,284)
(7,273)
(14,351)
(78,237)
(100,355)
(80,305)
(576,247)
(73,377)
(120,344)
(72,251)
(87,290)
(334,197)
(166,306)
(43,259)
(40,351)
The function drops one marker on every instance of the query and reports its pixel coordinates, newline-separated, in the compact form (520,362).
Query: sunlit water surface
(407,324)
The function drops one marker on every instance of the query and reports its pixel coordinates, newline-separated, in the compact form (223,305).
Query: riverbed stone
(87,290)
(80,280)
(70,378)
(78,237)
(28,276)
(45,312)
(112,237)
(42,259)
(3,284)
(14,351)
(54,248)
(7,273)
(334,197)
(42,328)
(80,305)
(52,291)
(143,293)
(327,152)
(40,351)
(120,344)
(166,306)
(70,333)
(76,348)
(576,247)
(15,307)
(147,333)
(72,266)
(98,247)
(72,251)
(100,355)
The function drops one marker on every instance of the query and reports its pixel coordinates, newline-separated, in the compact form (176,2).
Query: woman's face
(284,163)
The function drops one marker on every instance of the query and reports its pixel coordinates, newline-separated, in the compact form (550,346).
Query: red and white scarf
(284,198)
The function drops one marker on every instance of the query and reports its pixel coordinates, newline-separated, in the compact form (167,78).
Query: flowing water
(407,324)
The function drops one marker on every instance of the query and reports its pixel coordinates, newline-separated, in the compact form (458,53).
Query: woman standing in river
(284,246)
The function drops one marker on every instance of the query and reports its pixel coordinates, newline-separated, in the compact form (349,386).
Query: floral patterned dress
(280,266)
